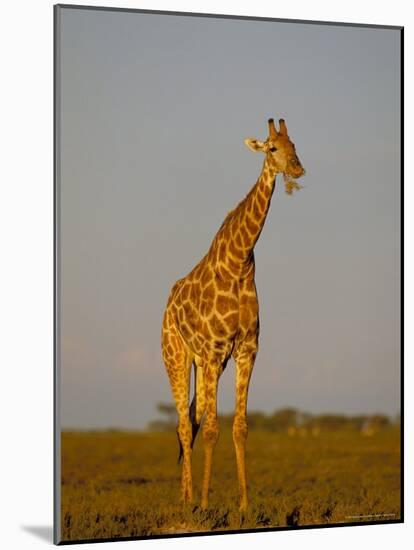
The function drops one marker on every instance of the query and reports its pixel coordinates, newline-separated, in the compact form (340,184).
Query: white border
(26,269)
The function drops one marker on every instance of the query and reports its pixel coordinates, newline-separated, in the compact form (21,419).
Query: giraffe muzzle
(297,172)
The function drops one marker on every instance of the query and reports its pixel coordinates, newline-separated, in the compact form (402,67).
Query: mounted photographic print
(228,350)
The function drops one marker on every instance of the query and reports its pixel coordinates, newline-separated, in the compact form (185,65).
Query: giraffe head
(279,150)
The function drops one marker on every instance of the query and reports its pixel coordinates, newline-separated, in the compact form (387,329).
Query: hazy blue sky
(154,112)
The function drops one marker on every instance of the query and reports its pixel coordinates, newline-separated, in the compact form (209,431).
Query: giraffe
(213,314)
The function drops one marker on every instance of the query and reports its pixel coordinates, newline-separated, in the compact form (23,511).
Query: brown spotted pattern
(213,314)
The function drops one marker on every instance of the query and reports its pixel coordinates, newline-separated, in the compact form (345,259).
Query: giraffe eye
(272,149)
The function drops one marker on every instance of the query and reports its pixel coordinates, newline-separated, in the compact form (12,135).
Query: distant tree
(357,422)
(159,426)
(380,421)
(258,420)
(374,423)
(168,410)
(287,420)
(284,418)
(332,421)
(166,424)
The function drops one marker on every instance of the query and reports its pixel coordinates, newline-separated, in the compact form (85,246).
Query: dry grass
(126,484)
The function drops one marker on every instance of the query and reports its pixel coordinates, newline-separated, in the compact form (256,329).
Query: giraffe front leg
(244,367)
(210,427)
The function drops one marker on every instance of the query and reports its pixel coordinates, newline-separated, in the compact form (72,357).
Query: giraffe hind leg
(244,366)
(178,359)
(198,403)
(210,426)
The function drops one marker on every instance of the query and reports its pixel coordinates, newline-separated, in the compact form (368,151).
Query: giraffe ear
(254,144)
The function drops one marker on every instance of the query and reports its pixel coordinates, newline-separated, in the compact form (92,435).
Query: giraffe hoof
(242,513)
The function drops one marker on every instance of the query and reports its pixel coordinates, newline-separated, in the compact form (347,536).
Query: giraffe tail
(181,453)
(198,403)
(196,410)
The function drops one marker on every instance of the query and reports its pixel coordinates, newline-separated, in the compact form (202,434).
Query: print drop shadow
(44,532)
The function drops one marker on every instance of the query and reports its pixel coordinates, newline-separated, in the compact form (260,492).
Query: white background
(26,301)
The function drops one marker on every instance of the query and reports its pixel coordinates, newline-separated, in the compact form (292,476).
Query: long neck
(232,248)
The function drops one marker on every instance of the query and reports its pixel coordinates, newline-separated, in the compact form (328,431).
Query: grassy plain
(126,484)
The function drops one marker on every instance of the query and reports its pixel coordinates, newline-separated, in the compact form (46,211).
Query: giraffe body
(213,314)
